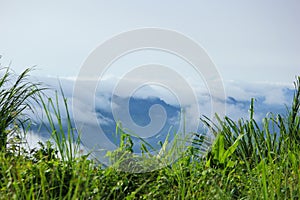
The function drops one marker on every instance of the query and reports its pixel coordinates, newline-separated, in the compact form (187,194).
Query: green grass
(15,96)
(245,161)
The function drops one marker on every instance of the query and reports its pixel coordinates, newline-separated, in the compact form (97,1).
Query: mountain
(139,112)
(153,118)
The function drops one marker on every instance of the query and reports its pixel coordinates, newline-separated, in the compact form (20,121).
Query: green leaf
(232,148)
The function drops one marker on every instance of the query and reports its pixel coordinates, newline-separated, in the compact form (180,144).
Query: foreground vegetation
(246,161)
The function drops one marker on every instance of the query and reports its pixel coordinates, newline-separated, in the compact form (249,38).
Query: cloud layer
(156,109)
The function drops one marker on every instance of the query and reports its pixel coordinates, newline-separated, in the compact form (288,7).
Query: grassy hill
(244,162)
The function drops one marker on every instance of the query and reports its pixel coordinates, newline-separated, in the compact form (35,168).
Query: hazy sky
(247,40)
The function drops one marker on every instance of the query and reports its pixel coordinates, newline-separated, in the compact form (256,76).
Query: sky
(252,41)
(254,45)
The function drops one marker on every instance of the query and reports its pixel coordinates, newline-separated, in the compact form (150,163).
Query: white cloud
(270,95)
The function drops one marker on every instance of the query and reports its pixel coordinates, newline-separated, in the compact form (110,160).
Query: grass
(245,161)
(14,99)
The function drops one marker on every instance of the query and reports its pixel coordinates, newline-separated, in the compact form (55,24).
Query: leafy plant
(67,140)
(15,97)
